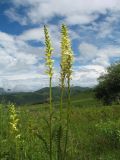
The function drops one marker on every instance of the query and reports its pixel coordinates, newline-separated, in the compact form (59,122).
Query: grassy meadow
(94,131)
(70,124)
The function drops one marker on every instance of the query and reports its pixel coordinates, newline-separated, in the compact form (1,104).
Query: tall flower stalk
(63,65)
(66,72)
(49,71)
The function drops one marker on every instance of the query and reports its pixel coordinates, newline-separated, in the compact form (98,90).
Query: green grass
(95,133)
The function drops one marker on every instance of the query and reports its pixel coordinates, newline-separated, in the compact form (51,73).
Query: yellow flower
(66,55)
(13,120)
(49,50)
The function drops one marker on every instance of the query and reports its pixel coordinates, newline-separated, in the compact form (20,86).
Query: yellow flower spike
(66,55)
(49,50)
(13,121)
(18,136)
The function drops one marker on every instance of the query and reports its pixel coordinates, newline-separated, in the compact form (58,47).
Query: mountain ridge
(39,96)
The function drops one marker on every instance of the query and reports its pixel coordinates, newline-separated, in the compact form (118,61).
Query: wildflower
(66,72)
(49,50)
(13,121)
(66,55)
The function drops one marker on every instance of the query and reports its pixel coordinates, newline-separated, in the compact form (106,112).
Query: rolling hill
(42,95)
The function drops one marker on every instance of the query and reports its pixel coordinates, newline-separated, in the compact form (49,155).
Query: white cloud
(80,19)
(93,62)
(14,16)
(87,75)
(77,12)
(94,55)
(21,66)
(102,60)
(18,60)
(107,28)
(33,34)
(6,37)
(21,63)
(87,51)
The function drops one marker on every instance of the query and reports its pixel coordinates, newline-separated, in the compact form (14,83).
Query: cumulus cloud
(79,12)
(87,75)
(33,34)
(14,16)
(18,60)
(21,66)
(108,25)
(93,62)
(96,55)
(87,51)
(89,23)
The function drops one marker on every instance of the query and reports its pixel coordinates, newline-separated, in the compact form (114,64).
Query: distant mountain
(21,88)
(2,91)
(56,91)
(40,96)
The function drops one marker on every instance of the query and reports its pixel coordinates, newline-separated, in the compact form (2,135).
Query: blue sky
(93,28)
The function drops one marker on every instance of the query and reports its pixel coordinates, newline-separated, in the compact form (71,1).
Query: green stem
(61,103)
(68,119)
(17,150)
(50,113)
(60,127)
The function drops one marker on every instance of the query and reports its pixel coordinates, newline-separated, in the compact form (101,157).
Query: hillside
(42,95)
(2,91)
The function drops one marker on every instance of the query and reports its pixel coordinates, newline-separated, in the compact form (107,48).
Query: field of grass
(94,132)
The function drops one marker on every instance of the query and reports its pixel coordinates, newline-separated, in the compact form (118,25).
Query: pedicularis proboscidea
(65,76)
(14,122)
(66,54)
(66,72)
(49,71)
(48,53)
